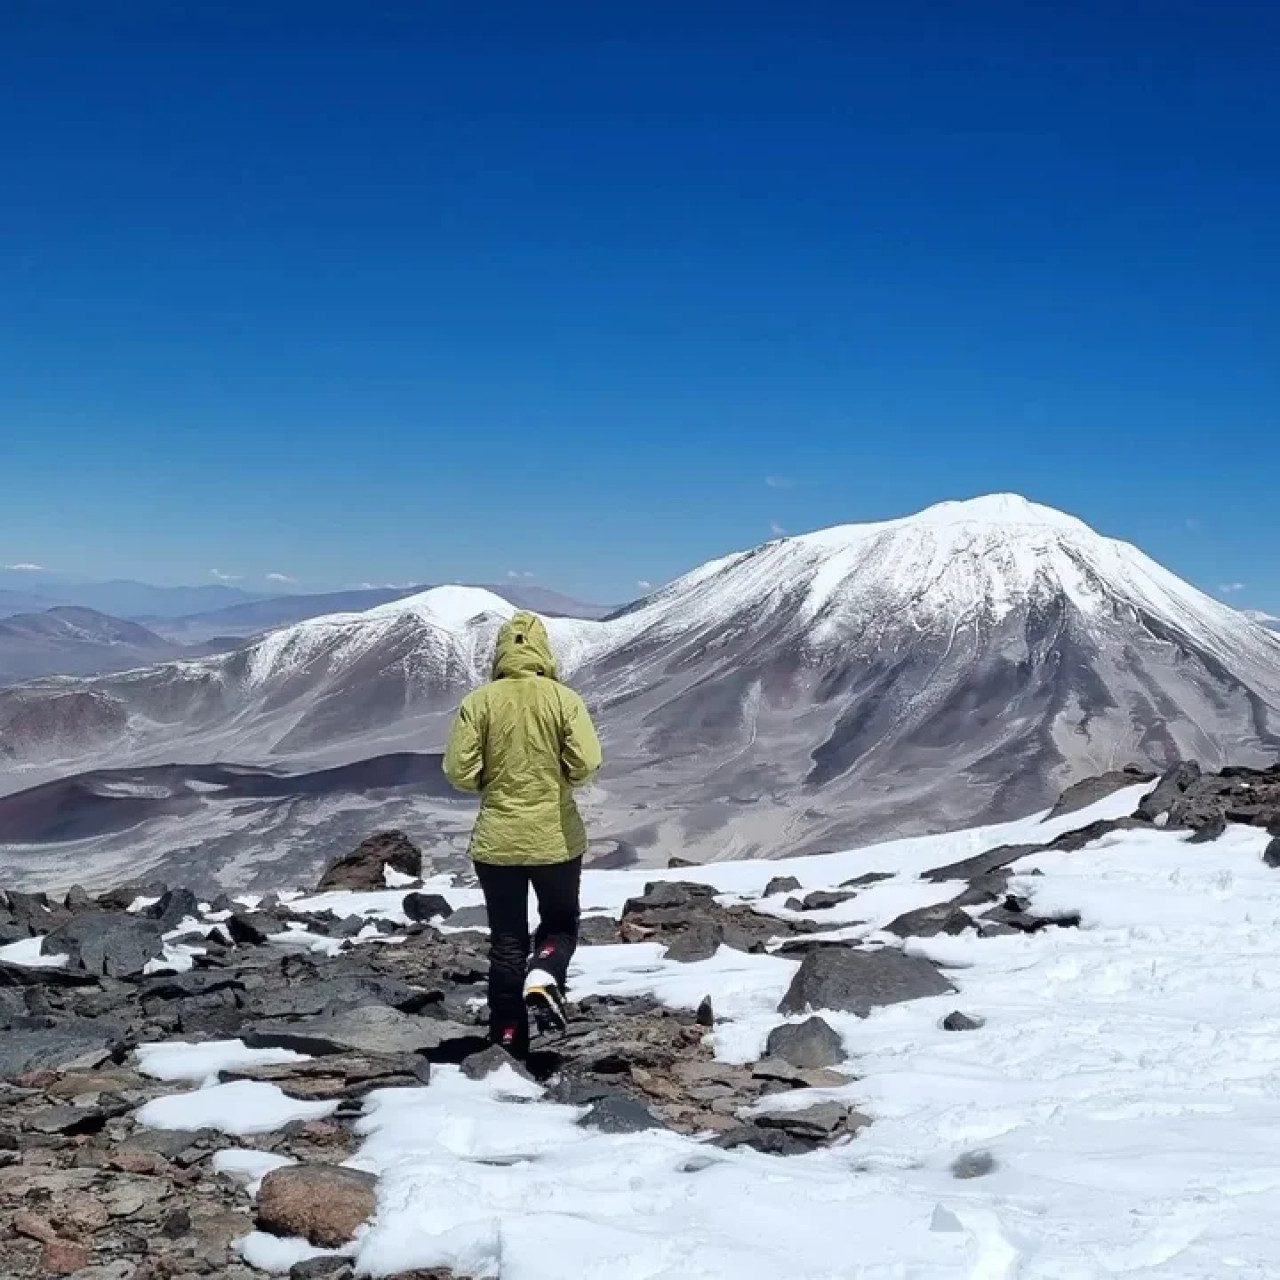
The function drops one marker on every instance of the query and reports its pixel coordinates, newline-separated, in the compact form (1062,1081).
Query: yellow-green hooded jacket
(524,742)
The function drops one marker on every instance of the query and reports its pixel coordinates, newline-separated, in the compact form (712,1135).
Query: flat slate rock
(851,981)
(373,1029)
(52,1050)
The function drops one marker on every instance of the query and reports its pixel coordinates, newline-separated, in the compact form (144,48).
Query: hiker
(524,742)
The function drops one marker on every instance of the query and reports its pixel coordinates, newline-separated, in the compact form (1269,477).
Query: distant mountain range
(120,599)
(960,665)
(255,617)
(70,641)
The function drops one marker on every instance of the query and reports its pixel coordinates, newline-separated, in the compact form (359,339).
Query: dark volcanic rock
(706,1015)
(851,981)
(781,884)
(173,908)
(983,863)
(23,975)
(668,895)
(810,1044)
(252,929)
(824,899)
(1092,790)
(961,1022)
(487,1061)
(1156,805)
(1271,856)
(54,1049)
(424,907)
(598,931)
(115,946)
(618,1113)
(928,922)
(700,942)
(363,867)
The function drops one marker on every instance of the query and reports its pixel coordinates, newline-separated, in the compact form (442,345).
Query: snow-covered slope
(1112,1110)
(960,664)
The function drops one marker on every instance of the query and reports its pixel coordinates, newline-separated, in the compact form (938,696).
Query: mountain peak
(996,509)
(451,607)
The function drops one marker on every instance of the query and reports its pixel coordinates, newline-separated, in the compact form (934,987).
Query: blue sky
(417,291)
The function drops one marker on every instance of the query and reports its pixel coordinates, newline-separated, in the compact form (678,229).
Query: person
(524,742)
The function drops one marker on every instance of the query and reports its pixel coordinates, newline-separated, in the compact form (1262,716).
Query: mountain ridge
(959,665)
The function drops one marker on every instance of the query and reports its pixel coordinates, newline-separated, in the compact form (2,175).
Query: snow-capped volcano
(957,665)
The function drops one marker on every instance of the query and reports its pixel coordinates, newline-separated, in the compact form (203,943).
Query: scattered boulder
(781,884)
(982,864)
(706,1015)
(700,942)
(107,944)
(64,1258)
(364,868)
(823,1120)
(323,1204)
(618,1113)
(973,1164)
(1271,855)
(958,1021)
(666,895)
(425,907)
(929,922)
(1156,805)
(173,908)
(598,931)
(852,981)
(480,1065)
(252,928)
(810,1044)
(1092,790)
(822,899)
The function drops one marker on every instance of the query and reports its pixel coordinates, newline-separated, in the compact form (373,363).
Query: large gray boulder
(850,981)
(107,944)
(809,1045)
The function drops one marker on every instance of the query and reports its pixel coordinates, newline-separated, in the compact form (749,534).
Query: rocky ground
(87,1189)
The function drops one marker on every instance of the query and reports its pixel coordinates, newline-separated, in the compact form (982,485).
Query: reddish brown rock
(324,1204)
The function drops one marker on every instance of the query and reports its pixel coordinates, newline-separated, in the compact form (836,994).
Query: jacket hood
(524,649)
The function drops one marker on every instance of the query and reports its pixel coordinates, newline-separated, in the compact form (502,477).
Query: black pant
(506,898)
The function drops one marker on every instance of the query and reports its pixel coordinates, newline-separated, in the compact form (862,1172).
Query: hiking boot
(546,1001)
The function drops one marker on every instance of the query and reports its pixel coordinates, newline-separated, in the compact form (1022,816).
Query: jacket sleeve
(464,756)
(580,754)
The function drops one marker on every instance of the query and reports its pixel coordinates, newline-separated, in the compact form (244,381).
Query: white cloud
(26,568)
(776,529)
(280,577)
(219,576)
(780,482)
(1232,588)
(517,575)
(644,584)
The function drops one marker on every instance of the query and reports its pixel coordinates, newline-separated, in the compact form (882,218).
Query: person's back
(524,741)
